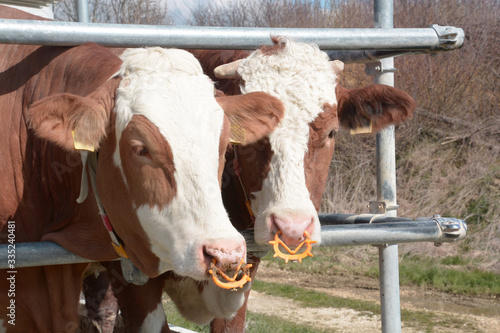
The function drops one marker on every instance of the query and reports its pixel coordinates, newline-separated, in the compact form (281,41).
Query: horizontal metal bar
(380,233)
(336,230)
(370,229)
(37,254)
(125,35)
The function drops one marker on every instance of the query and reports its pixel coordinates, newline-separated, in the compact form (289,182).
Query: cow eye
(331,134)
(140,150)
(144,151)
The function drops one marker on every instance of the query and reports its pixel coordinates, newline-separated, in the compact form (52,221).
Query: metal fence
(336,230)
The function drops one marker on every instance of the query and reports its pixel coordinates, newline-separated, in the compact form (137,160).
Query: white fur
(223,303)
(154,320)
(169,88)
(302,77)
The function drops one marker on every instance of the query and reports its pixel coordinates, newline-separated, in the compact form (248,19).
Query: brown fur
(115,196)
(146,298)
(210,59)
(40,181)
(258,113)
(381,104)
(320,152)
(151,176)
(273,49)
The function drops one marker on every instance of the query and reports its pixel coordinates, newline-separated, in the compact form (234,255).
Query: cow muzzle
(292,228)
(226,265)
(292,236)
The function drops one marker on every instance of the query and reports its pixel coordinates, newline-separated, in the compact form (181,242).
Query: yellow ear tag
(362,130)
(238,135)
(81,145)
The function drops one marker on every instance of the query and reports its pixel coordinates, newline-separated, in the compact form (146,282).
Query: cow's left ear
(254,115)
(70,121)
(378,105)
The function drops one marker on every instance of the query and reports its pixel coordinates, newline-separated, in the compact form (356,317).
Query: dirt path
(478,314)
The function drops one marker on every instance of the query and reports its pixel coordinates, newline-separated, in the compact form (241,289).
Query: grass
(462,280)
(256,323)
(449,274)
(452,274)
(325,260)
(426,321)
(259,323)
(310,298)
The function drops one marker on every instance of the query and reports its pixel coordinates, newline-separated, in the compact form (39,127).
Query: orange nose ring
(292,254)
(231,283)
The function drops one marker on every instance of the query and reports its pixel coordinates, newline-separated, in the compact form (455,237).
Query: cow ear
(253,116)
(70,121)
(377,106)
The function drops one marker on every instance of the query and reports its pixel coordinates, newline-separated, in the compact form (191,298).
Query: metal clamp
(452,228)
(380,207)
(449,37)
(376,67)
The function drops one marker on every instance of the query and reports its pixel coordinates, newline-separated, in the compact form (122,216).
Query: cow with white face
(292,163)
(157,136)
(282,176)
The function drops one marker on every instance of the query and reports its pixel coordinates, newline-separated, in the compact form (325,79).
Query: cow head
(161,136)
(285,173)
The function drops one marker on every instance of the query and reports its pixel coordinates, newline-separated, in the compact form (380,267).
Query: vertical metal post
(386,188)
(82,11)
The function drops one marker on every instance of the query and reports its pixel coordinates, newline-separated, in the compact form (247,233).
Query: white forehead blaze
(168,87)
(301,76)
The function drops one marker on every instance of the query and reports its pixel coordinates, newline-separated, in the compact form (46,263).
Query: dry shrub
(117,11)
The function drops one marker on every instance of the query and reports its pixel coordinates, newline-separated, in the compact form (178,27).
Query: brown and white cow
(161,136)
(284,174)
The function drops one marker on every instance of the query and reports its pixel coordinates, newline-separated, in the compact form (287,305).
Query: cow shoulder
(379,104)
(257,113)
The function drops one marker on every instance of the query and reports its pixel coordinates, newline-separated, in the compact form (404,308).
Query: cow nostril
(207,258)
(225,256)
(292,227)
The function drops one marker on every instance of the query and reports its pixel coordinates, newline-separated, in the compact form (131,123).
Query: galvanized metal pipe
(337,230)
(386,187)
(38,254)
(125,35)
(82,11)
